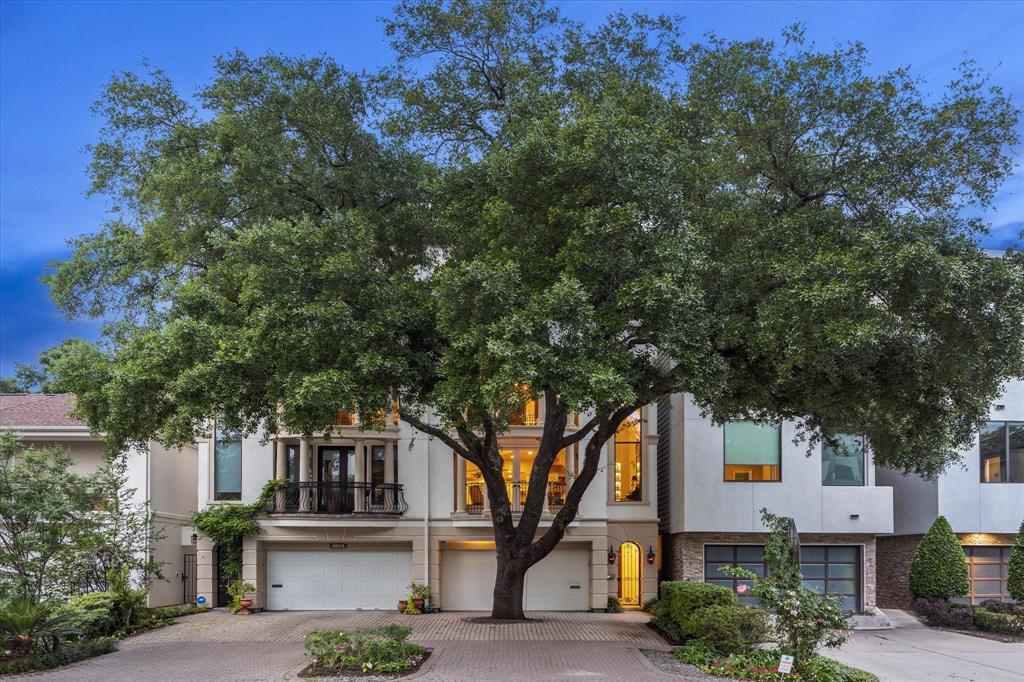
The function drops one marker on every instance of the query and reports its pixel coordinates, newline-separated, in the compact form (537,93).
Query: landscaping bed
(999,621)
(379,653)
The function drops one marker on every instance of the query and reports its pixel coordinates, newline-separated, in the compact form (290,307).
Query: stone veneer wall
(684,553)
(894,556)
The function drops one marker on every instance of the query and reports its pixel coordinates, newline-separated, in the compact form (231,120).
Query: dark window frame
(1005,459)
(230,496)
(863,464)
(973,597)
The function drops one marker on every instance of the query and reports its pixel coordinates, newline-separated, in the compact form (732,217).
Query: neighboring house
(713,480)
(367,512)
(165,478)
(982,498)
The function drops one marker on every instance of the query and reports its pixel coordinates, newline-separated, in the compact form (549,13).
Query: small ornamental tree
(1015,580)
(939,568)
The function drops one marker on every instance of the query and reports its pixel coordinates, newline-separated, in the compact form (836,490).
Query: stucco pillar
(514,492)
(360,488)
(305,499)
(206,581)
(460,484)
(281,473)
(250,570)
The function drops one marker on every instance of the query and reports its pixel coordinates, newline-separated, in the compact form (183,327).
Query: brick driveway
(268,646)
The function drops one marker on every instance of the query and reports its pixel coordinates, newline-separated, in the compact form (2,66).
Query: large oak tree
(605,215)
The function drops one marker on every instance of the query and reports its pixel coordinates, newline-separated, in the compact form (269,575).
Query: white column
(360,490)
(281,472)
(514,489)
(305,499)
(460,484)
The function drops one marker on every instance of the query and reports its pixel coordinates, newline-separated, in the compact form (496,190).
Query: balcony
(517,490)
(339,499)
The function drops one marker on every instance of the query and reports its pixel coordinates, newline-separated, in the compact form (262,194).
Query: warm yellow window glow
(628,476)
(528,414)
(752,472)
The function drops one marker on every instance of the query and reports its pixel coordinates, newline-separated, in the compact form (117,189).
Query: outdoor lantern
(650,555)
(611,556)
(195,538)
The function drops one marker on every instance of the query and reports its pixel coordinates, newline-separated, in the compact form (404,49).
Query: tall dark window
(227,464)
(1001,449)
(843,464)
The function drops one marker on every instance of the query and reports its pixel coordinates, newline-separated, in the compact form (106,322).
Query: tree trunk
(508,589)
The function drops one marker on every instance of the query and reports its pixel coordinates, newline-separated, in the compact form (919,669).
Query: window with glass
(227,464)
(749,557)
(832,570)
(628,483)
(989,569)
(528,414)
(844,463)
(752,451)
(825,569)
(291,455)
(1001,447)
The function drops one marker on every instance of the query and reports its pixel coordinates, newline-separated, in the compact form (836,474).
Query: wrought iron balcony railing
(318,497)
(516,496)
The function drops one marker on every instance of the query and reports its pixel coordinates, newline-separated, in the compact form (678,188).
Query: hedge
(1005,623)
(680,599)
(939,569)
(1015,578)
(64,655)
(729,629)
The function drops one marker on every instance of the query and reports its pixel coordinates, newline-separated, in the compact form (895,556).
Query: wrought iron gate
(188,579)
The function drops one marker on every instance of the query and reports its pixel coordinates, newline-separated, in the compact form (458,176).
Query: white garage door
(337,580)
(560,582)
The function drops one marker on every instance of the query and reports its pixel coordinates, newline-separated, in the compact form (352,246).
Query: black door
(223,599)
(336,471)
(188,579)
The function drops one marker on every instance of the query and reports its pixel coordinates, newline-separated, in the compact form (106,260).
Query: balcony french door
(336,465)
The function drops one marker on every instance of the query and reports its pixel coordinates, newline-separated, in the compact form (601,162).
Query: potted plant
(402,605)
(419,594)
(239,602)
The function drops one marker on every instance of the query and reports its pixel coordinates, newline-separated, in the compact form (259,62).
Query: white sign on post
(785,665)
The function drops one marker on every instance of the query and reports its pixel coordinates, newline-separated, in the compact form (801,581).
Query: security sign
(786,665)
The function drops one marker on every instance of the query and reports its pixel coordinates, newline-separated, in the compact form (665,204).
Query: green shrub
(381,650)
(65,654)
(939,568)
(730,629)
(613,605)
(27,626)
(680,599)
(105,614)
(1005,623)
(176,611)
(1015,578)
(762,665)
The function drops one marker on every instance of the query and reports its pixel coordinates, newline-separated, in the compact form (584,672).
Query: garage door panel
(559,582)
(328,580)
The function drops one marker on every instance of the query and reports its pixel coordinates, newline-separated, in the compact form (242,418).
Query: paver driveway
(268,646)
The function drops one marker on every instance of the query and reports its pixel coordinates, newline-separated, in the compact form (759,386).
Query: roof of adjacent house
(37,409)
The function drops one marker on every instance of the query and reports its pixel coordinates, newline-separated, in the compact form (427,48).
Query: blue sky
(55,58)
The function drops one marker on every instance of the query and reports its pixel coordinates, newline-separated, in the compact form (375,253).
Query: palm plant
(24,621)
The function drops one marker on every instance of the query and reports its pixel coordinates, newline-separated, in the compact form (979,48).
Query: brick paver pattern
(218,647)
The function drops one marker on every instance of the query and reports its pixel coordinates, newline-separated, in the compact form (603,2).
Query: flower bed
(763,665)
(379,652)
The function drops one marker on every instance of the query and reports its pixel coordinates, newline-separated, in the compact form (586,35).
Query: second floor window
(227,464)
(628,449)
(752,451)
(1001,446)
(843,464)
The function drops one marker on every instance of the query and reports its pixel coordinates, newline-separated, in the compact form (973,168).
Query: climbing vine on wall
(227,524)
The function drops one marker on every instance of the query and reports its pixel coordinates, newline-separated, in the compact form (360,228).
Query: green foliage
(419,591)
(679,602)
(613,605)
(64,655)
(805,621)
(10,385)
(237,590)
(44,376)
(380,650)
(1005,623)
(762,665)
(177,610)
(938,568)
(729,629)
(115,612)
(227,524)
(1015,569)
(25,623)
(521,200)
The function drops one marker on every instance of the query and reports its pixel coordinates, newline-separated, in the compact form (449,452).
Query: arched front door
(629,574)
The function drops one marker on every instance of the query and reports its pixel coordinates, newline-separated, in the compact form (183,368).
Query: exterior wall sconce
(651,556)
(195,538)
(611,556)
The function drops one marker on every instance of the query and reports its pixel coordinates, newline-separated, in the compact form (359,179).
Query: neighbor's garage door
(560,582)
(337,579)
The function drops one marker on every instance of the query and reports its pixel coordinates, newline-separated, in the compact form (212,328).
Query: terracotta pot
(401,606)
(418,603)
(244,611)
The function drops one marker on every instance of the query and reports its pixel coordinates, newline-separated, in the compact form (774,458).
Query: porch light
(611,556)
(650,555)
(195,538)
